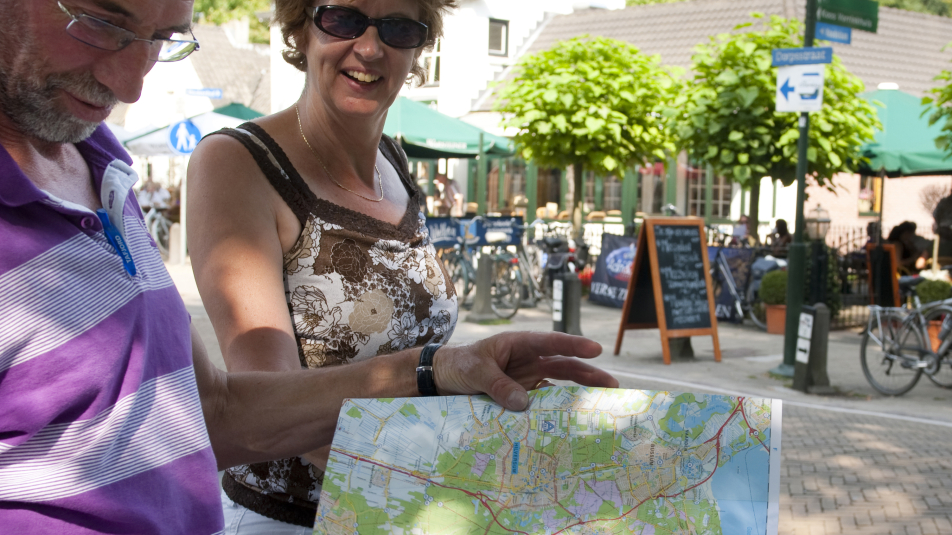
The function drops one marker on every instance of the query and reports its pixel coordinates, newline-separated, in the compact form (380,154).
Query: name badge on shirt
(117,242)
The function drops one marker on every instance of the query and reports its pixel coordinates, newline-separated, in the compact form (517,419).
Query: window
(870,195)
(612,193)
(721,192)
(499,37)
(431,63)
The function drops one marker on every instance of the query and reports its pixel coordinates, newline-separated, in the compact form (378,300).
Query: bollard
(810,376)
(175,244)
(567,303)
(482,302)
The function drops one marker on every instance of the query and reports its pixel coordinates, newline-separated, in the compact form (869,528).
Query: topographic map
(579,460)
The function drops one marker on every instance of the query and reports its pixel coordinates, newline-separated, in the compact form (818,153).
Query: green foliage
(773,288)
(727,118)
(942,114)
(589,101)
(930,291)
(933,7)
(221,11)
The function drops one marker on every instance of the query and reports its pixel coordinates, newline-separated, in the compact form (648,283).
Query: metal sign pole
(798,249)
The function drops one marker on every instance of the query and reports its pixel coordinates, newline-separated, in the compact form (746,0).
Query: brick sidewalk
(872,472)
(861,474)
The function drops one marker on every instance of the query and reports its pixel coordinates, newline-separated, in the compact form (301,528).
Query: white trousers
(240,520)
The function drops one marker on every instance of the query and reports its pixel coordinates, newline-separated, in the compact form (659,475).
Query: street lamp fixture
(818,225)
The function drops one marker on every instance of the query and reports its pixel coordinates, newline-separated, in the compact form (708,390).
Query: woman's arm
(260,416)
(238,229)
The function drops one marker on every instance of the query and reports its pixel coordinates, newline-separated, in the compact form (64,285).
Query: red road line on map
(744,414)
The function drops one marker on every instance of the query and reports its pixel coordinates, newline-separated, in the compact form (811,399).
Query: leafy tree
(933,7)
(727,117)
(591,104)
(942,99)
(222,11)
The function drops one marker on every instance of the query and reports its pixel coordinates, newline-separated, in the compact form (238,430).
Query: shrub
(773,288)
(930,291)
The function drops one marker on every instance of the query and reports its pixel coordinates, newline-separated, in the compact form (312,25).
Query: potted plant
(929,291)
(773,292)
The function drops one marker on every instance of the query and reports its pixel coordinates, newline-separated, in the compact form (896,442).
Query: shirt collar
(99,150)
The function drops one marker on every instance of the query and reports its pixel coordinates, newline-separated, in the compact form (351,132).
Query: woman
(910,257)
(312,211)
(781,238)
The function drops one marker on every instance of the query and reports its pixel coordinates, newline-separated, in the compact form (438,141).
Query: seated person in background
(910,257)
(780,238)
(153,195)
(741,232)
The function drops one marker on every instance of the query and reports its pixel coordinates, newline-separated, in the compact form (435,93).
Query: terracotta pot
(776,319)
(934,327)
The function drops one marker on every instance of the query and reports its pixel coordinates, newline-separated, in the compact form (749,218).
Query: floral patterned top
(356,287)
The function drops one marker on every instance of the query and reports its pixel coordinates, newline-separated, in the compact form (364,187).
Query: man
(112,419)
(153,195)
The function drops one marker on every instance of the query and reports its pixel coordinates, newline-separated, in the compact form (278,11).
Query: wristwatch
(424,372)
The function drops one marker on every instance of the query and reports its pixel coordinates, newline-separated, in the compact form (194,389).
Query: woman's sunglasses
(347,23)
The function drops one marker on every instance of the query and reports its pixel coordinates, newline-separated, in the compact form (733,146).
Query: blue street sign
(209,92)
(802,56)
(183,137)
(786,89)
(832,32)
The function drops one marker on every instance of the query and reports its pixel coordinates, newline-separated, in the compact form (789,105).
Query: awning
(156,142)
(425,133)
(906,144)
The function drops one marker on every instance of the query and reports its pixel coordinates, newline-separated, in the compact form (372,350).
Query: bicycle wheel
(459,276)
(889,354)
(160,233)
(942,376)
(506,290)
(756,310)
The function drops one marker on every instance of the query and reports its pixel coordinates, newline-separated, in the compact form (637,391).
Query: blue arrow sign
(832,32)
(209,92)
(786,89)
(802,56)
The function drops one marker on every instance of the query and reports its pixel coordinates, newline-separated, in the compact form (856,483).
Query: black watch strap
(424,372)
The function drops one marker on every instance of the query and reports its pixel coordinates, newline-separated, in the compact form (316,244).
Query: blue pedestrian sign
(183,137)
(834,33)
(802,56)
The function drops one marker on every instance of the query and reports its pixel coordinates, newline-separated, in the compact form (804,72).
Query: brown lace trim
(264,505)
(284,188)
(300,194)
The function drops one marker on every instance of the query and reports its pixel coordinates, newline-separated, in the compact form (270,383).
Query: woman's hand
(506,365)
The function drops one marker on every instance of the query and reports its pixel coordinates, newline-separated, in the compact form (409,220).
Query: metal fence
(849,245)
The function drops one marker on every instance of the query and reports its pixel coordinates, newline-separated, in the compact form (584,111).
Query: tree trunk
(579,184)
(753,217)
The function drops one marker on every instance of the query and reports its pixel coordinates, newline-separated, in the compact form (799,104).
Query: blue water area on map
(715,405)
(740,487)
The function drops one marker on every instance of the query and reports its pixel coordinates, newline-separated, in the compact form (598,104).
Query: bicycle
(900,344)
(543,259)
(505,282)
(158,226)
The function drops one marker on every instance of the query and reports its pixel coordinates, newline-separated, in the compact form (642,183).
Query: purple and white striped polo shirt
(101,429)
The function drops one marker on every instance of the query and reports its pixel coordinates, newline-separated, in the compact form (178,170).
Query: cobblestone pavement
(856,462)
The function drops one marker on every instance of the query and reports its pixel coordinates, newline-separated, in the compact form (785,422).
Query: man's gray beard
(31,105)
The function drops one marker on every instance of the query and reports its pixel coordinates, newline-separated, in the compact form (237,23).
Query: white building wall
(286,81)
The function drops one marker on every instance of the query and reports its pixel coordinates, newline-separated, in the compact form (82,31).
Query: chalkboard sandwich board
(670,285)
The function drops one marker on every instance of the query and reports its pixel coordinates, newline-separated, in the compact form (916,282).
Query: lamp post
(798,249)
(817,227)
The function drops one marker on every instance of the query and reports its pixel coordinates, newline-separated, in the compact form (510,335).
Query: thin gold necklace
(329,175)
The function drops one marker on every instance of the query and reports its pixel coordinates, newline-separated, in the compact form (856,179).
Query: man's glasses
(105,36)
(347,23)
